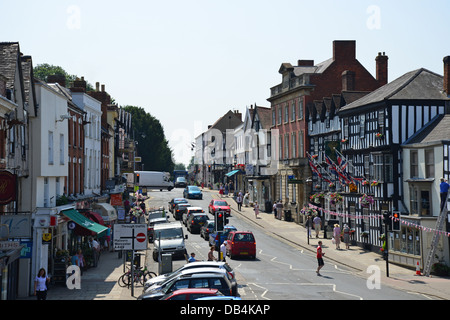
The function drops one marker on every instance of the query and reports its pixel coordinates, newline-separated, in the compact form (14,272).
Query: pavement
(100,283)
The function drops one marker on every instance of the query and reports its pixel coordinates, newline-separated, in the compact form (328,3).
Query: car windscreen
(194,189)
(220,203)
(200,218)
(244,237)
(169,233)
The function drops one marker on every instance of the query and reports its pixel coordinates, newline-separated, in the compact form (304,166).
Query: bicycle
(140,276)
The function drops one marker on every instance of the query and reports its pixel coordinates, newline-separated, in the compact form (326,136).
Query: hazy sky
(189,62)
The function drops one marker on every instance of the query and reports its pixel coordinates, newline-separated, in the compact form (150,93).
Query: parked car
(179,210)
(206,229)
(189,266)
(219,205)
(192,192)
(241,243)
(196,278)
(192,294)
(196,221)
(169,238)
(181,182)
(175,201)
(151,226)
(218,297)
(189,211)
(217,238)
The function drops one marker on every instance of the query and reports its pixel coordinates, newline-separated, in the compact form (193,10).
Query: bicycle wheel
(124,280)
(146,276)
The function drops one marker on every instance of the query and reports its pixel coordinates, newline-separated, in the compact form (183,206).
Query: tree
(42,71)
(153,146)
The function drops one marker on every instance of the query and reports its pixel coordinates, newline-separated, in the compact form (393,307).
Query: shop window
(420,199)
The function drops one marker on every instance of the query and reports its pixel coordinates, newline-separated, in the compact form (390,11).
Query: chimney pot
(447,75)
(97,86)
(103,88)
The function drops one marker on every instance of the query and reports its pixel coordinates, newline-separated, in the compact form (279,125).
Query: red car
(241,243)
(219,205)
(191,294)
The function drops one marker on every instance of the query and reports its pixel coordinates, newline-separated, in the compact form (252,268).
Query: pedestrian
(225,189)
(108,238)
(308,226)
(337,236)
(221,190)
(346,236)
(444,186)
(256,209)
(274,209)
(279,209)
(239,201)
(317,225)
(41,283)
(192,258)
(223,250)
(320,255)
(246,199)
(211,254)
(81,261)
(95,246)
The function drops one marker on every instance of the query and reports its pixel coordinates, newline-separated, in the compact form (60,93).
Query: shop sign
(116,199)
(9,245)
(7,187)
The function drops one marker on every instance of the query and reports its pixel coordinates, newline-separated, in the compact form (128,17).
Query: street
(281,270)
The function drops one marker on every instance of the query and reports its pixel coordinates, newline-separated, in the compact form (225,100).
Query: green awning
(84,222)
(232,173)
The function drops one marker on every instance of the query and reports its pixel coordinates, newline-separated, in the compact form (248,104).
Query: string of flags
(379,216)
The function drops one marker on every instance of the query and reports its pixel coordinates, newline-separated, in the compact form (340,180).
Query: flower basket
(344,140)
(308,211)
(335,198)
(374,183)
(366,201)
(379,135)
(365,183)
(315,198)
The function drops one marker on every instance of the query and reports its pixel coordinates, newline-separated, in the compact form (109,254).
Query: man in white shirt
(223,250)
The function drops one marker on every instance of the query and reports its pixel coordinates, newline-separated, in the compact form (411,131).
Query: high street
(285,269)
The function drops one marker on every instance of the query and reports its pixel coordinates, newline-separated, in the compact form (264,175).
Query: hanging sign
(7,187)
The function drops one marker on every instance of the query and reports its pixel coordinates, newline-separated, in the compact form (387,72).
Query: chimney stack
(305,63)
(382,68)
(348,80)
(447,75)
(344,50)
(79,85)
(57,78)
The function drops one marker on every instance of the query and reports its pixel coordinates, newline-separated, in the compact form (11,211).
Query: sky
(189,62)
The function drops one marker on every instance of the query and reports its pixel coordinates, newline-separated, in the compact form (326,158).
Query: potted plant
(366,201)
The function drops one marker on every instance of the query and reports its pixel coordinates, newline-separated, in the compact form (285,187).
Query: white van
(153,180)
(169,238)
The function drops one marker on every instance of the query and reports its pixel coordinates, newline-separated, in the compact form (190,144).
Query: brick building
(292,103)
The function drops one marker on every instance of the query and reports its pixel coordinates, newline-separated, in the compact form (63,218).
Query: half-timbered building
(374,128)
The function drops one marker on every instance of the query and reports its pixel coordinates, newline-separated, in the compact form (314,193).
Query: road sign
(130,236)
(141,237)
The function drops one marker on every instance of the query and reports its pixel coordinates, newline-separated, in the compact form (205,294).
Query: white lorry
(153,180)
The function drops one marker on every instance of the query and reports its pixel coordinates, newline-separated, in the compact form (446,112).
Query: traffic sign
(130,236)
(141,237)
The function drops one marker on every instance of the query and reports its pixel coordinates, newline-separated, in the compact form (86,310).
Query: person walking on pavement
(320,255)
(239,201)
(279,209)
(346,236)
(40,285)
(211,254)
(444,186)
(317,225)
(256,209)
(337,236)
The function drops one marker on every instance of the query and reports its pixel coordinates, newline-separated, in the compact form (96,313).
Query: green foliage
(42,71)
(152,144)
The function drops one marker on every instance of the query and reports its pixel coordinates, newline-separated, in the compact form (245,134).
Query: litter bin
(268,206)
(287,215)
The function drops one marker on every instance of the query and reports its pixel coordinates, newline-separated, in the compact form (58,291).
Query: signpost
(130,237)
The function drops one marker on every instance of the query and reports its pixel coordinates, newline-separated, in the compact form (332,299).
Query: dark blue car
(192,192)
